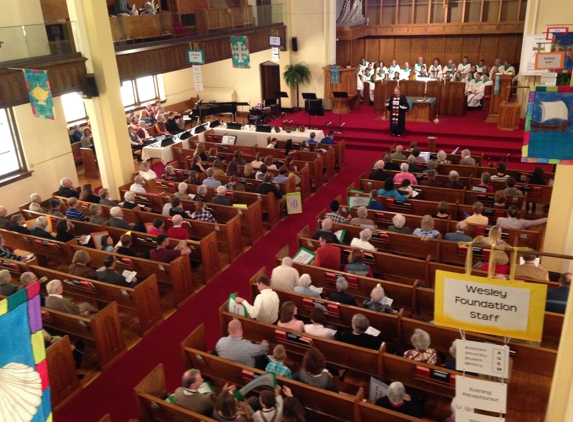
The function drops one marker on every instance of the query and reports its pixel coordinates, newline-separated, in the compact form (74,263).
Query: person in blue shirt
(389,191)
(375,205)
(282,176)
(312,140)
(329,139)
(76,136)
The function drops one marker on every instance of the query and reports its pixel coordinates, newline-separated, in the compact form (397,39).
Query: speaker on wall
(91,86)
(294,44)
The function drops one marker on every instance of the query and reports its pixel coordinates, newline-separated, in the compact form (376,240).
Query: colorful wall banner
(241,56)
(563,43)
(334,75)
(40,94)
(532,44)
(25,392)
(549,126)
(496,307)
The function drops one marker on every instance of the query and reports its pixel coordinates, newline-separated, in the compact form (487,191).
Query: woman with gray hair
(341,296)
(182,191)
(304,287)
(364,241)
(96,214)
(105,198)
(454,182)
(398,225)
(35,206)
(422,351)
(146,172)
(361,220)
(442,157)
(427,228)
(377,301)
(6,288)
(398,401)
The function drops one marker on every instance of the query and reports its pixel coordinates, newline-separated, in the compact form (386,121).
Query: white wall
(178,86)
(47,151)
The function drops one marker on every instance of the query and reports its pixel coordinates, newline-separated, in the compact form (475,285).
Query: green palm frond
(297,74)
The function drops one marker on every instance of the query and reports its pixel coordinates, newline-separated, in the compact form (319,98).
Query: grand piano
(202,110)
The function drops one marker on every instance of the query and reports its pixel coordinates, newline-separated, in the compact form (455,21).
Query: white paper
(197,77)
(372,331)
(205,388)
(415,193)
(463,416)
(531,43)
(317,289)
(86,240)
(387,301)
(358,201)
(303,256)
(236,308)
(340,235)
(129,275)
(482,358)
(480,394)
(377,389)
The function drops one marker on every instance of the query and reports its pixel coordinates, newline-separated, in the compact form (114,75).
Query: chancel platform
(421,109)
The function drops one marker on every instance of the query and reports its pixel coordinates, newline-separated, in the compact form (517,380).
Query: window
(10,158)
(127,94)
(142,90)
(74,109)
(146,89)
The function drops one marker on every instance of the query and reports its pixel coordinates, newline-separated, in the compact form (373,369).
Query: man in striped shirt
(73,213)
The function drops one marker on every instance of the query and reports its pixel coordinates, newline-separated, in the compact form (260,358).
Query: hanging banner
(40,94)
(532,44)
(496,86)
(241,56)
(275,54)
(334,75)
(479,394)
(195,57)
(497,307)
(563,43)
(482,358)
(198,78)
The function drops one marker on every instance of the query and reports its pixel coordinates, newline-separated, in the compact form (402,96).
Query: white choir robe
(470,86)
(418,67)
(499,70)
(509,71)
(380,76)
(451,69)
(420,76)
(435,72)
(464,68)
(405,74)
(359,84)
(474,99)
(372,85)
(393,69)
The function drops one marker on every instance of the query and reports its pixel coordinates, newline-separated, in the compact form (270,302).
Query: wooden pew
(488,199)
(454,158)
(40,247)
(16,268)
(427,193)
(540,194)
(90,165)
(522,176)
(143,298)
(64,382)
(150,395)
(103,329)
(339,149)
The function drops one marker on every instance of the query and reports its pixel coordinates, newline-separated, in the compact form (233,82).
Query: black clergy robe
(398,106)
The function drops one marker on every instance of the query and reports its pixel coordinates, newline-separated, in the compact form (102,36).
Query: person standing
(398,106)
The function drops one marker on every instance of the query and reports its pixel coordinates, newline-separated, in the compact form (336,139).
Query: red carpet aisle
(112,392)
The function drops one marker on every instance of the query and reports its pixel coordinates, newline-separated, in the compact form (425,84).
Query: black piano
(203,110)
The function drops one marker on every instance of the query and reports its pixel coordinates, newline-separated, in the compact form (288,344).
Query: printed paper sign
(479,394)
(550,61)
(198,78)
(304,256)
(236,308)
(555,30)
(195,57)
(294,203)
(377,389)
(358,201)
(462,416)
(482,358)
(497,307)
(532,45)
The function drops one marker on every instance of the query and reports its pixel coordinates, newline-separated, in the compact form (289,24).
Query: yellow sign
(490,306)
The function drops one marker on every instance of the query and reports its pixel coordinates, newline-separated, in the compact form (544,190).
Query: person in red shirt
(162,254)
(158,227)
(178,232)
(328,255)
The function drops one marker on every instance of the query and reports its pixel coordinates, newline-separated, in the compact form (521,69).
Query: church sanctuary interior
(286,210)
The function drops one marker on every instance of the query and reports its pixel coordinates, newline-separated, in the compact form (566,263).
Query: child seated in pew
(158,227)
(422,351)
(271,405)
(226,408)
(107,243)
(277,365)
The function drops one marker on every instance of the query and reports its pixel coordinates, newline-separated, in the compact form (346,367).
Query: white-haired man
(190,398)
(361,220)
(117,220)
(325,232)
(4,223)
(398,401)
(378,172)
(460,234)
(137,186)
(364,241)
(177,231)
(56,301)
(467,159)
(221,197)
(285,277)
(398,154)
(67,188)
(35,204)
(42,223)
(303,287)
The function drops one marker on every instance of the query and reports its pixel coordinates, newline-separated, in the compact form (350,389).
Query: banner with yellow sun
(40,93)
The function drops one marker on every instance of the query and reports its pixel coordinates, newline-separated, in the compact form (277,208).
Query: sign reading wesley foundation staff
(497,307)
(482,358)
(479,394)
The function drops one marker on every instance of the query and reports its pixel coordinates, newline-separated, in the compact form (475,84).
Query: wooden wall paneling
(470,48)
(358,51)
(488,48)
(344,54)
(418,47)
(509,48)
(387,50)
(453,51)
(436,48)
(402,51)
(372,49)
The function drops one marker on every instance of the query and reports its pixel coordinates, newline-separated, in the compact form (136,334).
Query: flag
(334,75)
(39,92)
(240,52)
(23,364)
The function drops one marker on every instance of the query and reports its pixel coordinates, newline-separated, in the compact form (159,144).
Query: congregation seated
(398,401)
(117,220)
(172,123)
(341,296)
(105,198)
(356,264)
(109,275)
(97,214)
(361,220)
(325,232)
(378,173)
(398,222)
(63,234)
(266,305)
(500,175)
(334,213)
(41,224)
(146,172)
(285,277)
(169,173)
(6,287)
(389,164)
(363,242)
(327,255)
(220,197)
(398,154)
(454,182)
(158,227)
(35,206)
(67,189)
(177,231)
(390,191)
(262,172)
(18,224)
(421,351)
(182,191)
(268,186)
(431,180)
(500,200)
(106,242)
(556,300)
(477,218)
(55,206)
(277,366)
(316,327)
(405,187)
(467,159)
(501,263)
(210,180)
(160,126)
(201,214)
(442,157)
(304,287)
(377,301)
(57,302)
(404,174)
(6,253)
(287,319)
(531,270)
(125,242)
(512,222)
(511,189)
(460,234)
(234,348)
(87,194)
(137,186)
(80,265)
(484,186)
(163,254)
(190,398)
(313,371)
(73,213)
(357,335)
(427,228)
(374,204)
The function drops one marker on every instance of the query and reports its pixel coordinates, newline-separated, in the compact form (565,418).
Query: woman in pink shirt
(405,175)
(287,319)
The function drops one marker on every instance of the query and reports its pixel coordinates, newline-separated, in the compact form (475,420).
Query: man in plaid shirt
(334,215)
(201,214)
(278,367)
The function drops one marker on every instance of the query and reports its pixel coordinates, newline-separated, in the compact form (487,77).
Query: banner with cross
(240,52)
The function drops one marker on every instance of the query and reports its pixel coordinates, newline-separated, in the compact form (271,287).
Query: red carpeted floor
(112,392)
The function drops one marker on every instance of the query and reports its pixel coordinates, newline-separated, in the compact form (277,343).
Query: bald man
(460,234)
(4,223)
(325,232)
(234,348)
(378,172)
(178,232)
(137,186)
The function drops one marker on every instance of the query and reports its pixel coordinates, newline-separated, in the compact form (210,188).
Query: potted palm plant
(296,74)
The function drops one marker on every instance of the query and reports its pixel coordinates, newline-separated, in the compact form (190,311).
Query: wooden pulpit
(347,84)
(493,101)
